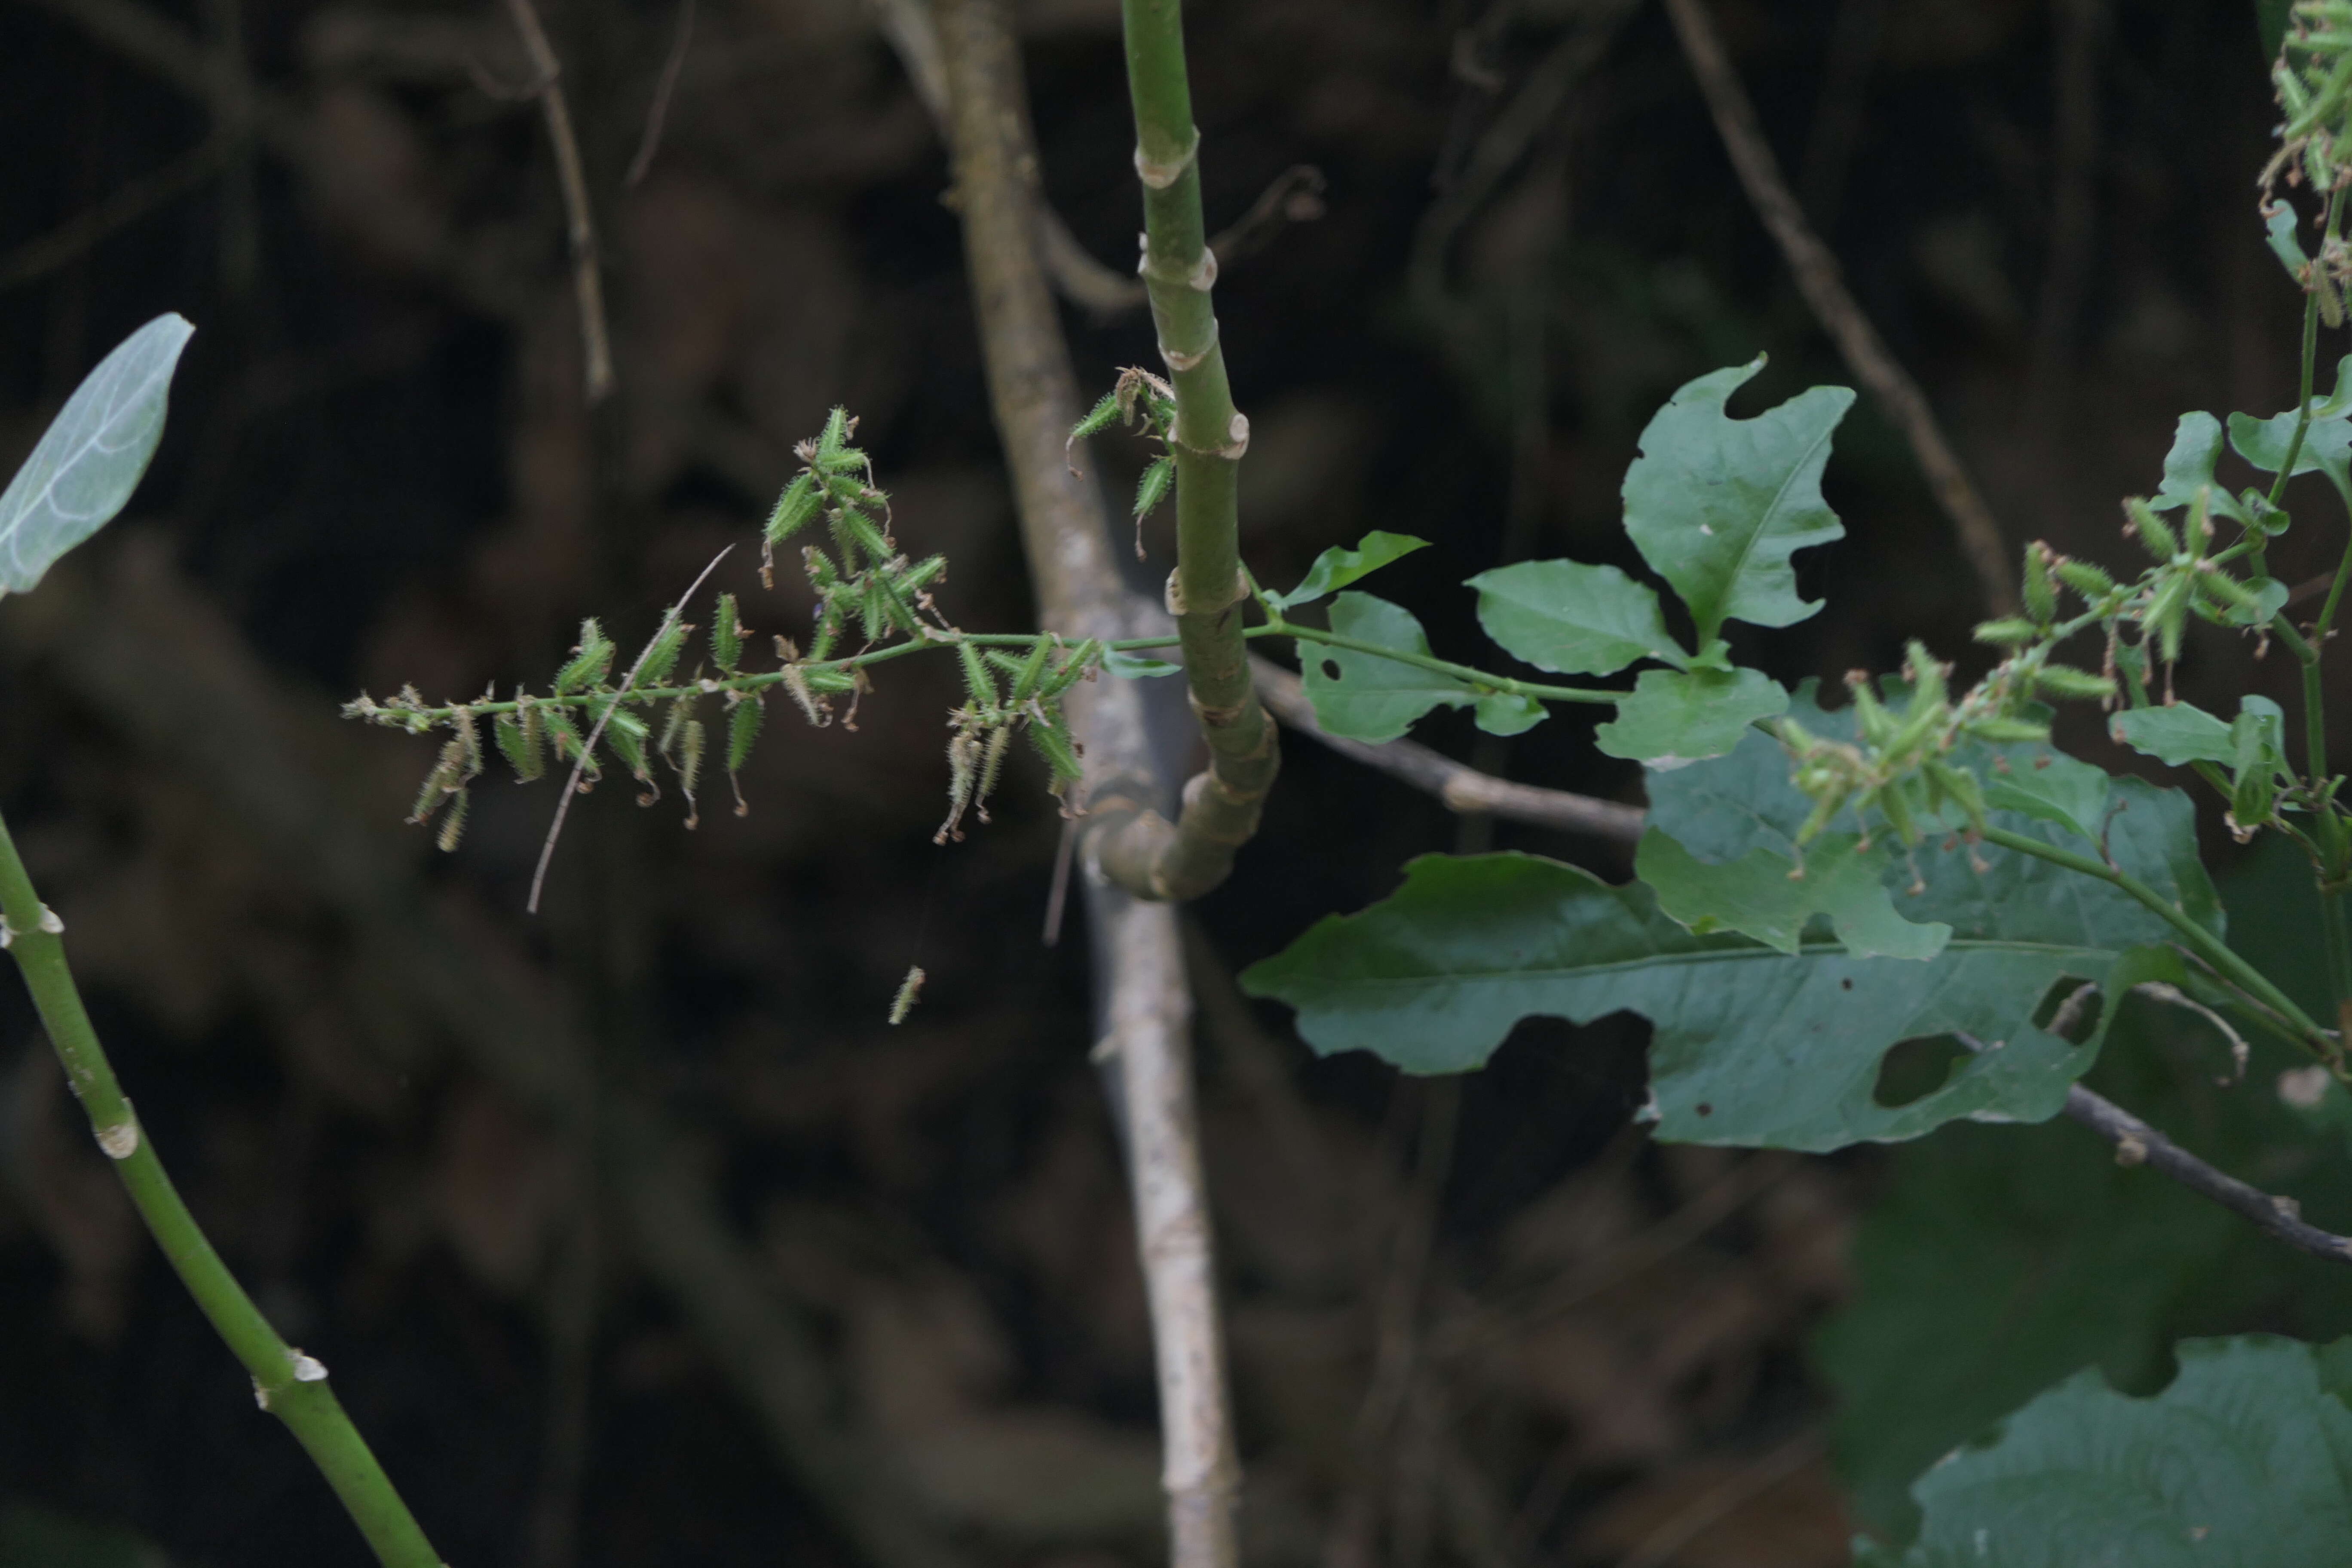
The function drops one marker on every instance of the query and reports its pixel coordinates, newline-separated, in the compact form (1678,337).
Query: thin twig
(38,257)
(588,746)
(579,218)
(664,88)
(1461,788)
(2137,1143)
(1823,283)
(1719,1501)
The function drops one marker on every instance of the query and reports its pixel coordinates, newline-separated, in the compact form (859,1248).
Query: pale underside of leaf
(92,456)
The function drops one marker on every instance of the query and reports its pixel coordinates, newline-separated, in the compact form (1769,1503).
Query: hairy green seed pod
(796,681)
(2009,632)
(1075,665)
(2227,590)
(726,635)
(922,575)
(1098,420)
(2153,532)
(1929,675)
(2039,591)
(1871,718)
(743,730)
(591,661)
(823,576)
(2168,615)
(908,990)
(1960,787)
(625,733)
(691,740)
(453,826)
(1061,753)
(2063,681)
(519,741)
(794,510)
(991,764)
(1153,488)
(873,618)
(2083,577)
(1032,672)
(449,770)
(2006,729)
(565,735)
(977,680)
(661,655)
(852,527)
(1892,806)
(832,443)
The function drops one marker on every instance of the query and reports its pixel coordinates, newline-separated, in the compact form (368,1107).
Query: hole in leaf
(1914,1070)
(1330,670)
(2069,1009)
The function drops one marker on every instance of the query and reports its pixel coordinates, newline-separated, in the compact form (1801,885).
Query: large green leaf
(91,458)
(1718,505)
(1366,698)
(2245,1460)
(1336,568)
(2173,736)
(1998,1260)
(1751,1046)
(1574,619)
(1677,716)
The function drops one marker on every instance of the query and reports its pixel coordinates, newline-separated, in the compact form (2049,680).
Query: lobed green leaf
(1717,506)
(1677,716)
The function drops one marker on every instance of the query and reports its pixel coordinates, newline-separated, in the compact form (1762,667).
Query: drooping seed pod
(796,681)
(1999,730)
(991,764)
(690,743)
(910,989)
(443,781)
(1153,489)
(453,826)
(1032,672)
(2064,681)
(743,729)
(661,656)
(625,733)
(519,738)
(977,680)
(1060,752)
(2168,615)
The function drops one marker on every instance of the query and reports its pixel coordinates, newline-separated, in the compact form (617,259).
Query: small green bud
(2039,591)
(2010,632)
(2083,577)
(2153,532)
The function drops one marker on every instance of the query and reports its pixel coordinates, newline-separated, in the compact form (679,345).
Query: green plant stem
(1205,594)
(2200,941)
(289,1384)
(1477,678)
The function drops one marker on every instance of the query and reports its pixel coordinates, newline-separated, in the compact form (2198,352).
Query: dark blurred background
(805,1254)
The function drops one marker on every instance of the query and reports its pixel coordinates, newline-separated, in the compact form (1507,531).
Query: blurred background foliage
(633,1235)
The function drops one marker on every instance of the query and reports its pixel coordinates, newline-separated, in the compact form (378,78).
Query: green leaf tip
(1717,506)
(93,455)
(1336,567)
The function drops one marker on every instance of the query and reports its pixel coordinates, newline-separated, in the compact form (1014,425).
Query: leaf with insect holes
(1366,698)
(92,456)
(1676,716)
(1750,1046)
(1336,568)
(2244,1459)
(1717,506)
(1573,619)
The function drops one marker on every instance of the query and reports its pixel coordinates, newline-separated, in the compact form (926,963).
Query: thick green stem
(289,1385)
(2194,937)
(1207,590)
